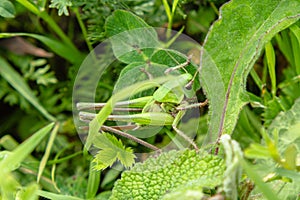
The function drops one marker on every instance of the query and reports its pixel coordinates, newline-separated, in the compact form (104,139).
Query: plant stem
(173,138)
(32,8)
(170,17)
(83,29)
(51,162)
(214,8)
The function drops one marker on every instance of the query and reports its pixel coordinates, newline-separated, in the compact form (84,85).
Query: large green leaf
(132,74)
(287,124)
(133,40)
(231,47)
(121,21)
(22,87)
(171,173)
(7,9)
(136,43)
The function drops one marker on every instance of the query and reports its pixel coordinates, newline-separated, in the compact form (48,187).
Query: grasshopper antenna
(167,71)
(189,85)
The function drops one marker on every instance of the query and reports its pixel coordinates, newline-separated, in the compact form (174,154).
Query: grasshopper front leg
(175,123)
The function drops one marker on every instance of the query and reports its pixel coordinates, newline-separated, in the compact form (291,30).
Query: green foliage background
(41,154)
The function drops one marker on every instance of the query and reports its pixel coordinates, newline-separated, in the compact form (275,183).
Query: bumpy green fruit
(168,173)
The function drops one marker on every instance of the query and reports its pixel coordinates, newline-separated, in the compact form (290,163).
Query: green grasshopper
(165,107)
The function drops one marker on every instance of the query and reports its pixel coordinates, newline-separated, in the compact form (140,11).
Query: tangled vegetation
(227,101)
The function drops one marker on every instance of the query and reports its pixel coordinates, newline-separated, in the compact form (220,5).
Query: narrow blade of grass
(23,150)
(17,81)
(167,9)
(296,46)
(54,196)
(93,182)
(47,152)
(174,6)
(61,49)
(270,57)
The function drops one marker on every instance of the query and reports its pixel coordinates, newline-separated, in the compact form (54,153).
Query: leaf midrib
(228,91)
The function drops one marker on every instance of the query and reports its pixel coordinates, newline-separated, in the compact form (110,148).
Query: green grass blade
(16,81)
(61,49)
(64,159)
(9,143)
(93,182)
(167,9)
(49,20)
(296,46)
(174,6)
(47,152)
(54,196)
(270,56)
(256,79)
(285,46)
(24,150)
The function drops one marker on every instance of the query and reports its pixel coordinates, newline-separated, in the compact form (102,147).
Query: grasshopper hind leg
(184,136)
(180,133)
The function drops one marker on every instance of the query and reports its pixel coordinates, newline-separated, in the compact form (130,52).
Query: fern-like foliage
(111,150)
(36,72)
(61,6)
(169,175)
